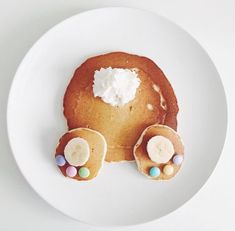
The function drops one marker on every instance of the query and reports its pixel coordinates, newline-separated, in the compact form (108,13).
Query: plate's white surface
(120,195)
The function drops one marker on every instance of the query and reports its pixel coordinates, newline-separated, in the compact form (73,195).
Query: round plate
(120,195)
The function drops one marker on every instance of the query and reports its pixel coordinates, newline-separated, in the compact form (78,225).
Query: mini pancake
(144,163)
(154,102)
(97,146)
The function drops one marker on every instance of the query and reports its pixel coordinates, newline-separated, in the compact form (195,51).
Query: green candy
(84,172)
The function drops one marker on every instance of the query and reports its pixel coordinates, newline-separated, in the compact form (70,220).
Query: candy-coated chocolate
(71,171)
(178,159)
(60,160)
(154,172)
(84,172)
(168,170)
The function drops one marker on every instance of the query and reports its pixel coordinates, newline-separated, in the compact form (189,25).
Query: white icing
(162,99)
(150,106)
(116,86)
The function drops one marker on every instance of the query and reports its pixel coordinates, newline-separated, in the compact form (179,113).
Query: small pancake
(155,102)
(144,163)
(97,145)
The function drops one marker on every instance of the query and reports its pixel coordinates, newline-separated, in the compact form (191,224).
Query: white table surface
(211,22)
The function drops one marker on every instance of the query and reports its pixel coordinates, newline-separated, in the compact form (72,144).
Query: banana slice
(160,149)
(77,151)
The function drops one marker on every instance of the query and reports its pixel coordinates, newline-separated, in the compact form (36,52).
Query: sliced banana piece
(160,149)
(77,151)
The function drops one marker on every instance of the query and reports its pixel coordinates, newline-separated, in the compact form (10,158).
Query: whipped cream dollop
(116,86)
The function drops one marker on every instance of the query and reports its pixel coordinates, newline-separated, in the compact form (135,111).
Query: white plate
(120,195)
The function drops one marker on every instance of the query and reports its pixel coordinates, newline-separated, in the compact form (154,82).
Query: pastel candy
(84,172)
(168,170)
(154,172)
(60,160)
(178,159)
(71,171)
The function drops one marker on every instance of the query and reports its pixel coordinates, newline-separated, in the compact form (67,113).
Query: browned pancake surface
(121,126)
(143,161)
(97,147)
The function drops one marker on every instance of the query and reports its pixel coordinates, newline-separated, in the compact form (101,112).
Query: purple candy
(60,160)
(71,171)
(178,159)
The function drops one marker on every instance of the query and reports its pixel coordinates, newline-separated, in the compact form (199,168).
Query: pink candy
(71,171)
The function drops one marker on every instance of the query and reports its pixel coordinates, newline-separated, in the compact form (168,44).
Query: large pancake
(155,102)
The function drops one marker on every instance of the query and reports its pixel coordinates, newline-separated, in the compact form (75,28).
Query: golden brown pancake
(155,102)
(144,163)
(97,145)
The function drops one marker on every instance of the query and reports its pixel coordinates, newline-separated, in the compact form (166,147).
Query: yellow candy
(168,170)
